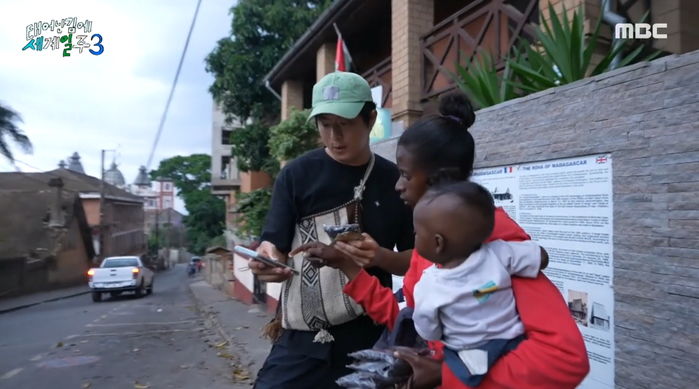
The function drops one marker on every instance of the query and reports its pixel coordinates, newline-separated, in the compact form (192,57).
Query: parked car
(120,274)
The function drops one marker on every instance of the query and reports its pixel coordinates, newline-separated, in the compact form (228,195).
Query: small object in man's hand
(344,232)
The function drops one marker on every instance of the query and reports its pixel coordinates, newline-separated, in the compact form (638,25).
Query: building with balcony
(408,49)
(225,177)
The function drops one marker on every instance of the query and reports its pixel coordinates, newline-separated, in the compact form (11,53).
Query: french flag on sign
(507,169)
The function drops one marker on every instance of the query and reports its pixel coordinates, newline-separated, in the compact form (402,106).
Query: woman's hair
(442,145)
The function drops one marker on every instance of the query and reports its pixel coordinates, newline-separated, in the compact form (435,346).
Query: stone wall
(647,117)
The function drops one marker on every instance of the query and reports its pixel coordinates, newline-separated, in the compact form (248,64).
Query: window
(120,262)
(225,168)
(167,187)
(226,137)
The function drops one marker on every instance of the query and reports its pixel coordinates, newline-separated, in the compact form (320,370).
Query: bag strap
(359,189)
(358,192)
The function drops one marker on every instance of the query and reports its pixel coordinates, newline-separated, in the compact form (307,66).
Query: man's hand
(329,256)
(269,273)
(362,252)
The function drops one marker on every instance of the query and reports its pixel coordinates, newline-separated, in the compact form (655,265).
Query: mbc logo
(639,31)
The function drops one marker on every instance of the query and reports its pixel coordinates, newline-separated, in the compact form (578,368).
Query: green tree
(9,128)
(262,31)
(206,212)
(252,208)
(251,149)
(188,173)
(293,137)
(206,219)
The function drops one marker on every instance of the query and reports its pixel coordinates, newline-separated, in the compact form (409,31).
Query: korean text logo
(639,31)
(69,34)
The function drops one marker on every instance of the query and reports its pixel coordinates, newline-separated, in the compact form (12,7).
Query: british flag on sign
(601,159)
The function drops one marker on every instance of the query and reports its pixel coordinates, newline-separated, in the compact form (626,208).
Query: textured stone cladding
(647,116)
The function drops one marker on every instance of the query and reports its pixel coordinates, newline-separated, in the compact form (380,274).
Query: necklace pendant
(358,190)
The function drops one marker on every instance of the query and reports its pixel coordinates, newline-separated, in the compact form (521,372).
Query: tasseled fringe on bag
(273,329)
(323,336)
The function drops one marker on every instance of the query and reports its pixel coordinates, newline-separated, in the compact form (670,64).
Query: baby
(465,299)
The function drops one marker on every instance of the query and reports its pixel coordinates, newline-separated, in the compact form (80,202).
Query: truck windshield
(121,262)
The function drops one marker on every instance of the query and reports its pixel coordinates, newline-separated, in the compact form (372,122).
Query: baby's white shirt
(470,304)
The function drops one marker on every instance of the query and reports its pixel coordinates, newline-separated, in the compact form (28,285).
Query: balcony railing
(492,25)
(381,75)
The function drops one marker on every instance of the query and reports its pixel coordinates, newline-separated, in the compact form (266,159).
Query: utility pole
(101,215)
(169,229)
(157,236)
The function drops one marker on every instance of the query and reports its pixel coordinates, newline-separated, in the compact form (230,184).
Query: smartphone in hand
(261,258)
(344,233)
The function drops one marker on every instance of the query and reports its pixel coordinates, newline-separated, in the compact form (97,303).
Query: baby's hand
(544,259)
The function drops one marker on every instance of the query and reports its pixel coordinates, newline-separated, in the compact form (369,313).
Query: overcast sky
(86,103)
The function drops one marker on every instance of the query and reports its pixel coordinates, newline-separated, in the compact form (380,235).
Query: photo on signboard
(599,318)
(578,306)
(502,196)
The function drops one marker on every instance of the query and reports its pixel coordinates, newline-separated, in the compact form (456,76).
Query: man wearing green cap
(341,183)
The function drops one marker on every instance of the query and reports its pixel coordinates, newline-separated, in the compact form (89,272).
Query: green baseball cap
(340,93)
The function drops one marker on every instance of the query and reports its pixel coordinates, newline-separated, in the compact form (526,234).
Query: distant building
(113,176)
(225,177)
(142,179)
(142,187)
(165,189)
(159,194)
(122,229)
(161,218)
(167,224)
(74,163)
(45,239)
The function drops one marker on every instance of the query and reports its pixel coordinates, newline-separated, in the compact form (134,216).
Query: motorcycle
(191,270)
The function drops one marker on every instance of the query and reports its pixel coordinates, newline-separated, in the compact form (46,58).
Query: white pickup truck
(120,274)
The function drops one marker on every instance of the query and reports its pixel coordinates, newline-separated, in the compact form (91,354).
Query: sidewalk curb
(7,310)
(234,347)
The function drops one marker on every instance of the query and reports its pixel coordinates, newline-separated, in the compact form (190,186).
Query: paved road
(157,341)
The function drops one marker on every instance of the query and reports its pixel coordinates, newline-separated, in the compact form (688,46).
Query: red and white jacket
(552,356)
